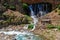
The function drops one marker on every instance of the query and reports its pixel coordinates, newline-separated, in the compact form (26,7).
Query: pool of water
(28,37)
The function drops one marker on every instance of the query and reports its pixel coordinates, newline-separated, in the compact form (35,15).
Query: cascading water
(41,9)
(33,16)
(36,9)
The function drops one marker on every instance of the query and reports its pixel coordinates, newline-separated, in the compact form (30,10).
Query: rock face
(39,1)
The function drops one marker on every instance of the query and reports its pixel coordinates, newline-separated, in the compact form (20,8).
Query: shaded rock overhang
(39,1)
(54,3)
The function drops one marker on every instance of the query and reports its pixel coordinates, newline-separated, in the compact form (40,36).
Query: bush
(30,26)
(50,26)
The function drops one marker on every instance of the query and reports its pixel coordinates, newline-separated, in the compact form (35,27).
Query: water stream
(22,35)
(33,16)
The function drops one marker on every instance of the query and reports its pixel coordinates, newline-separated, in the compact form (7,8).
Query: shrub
(50,26)
(30,26)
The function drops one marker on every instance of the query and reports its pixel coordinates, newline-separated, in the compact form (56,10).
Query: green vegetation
(28,17)
(30,26)
(50,26)
(25,6)
(58,27)
(59,7)
(6,5)
(12,7)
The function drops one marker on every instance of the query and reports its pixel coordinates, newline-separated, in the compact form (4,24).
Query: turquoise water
(28,37)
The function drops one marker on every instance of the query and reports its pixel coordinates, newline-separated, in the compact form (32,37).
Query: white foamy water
(16,32)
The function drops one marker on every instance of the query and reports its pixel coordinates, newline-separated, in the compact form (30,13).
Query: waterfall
(33,16)
(40,7)
(37,10)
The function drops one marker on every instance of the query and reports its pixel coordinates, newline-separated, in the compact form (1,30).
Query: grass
(50,26)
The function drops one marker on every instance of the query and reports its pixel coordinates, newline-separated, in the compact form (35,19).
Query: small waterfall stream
(33,16)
